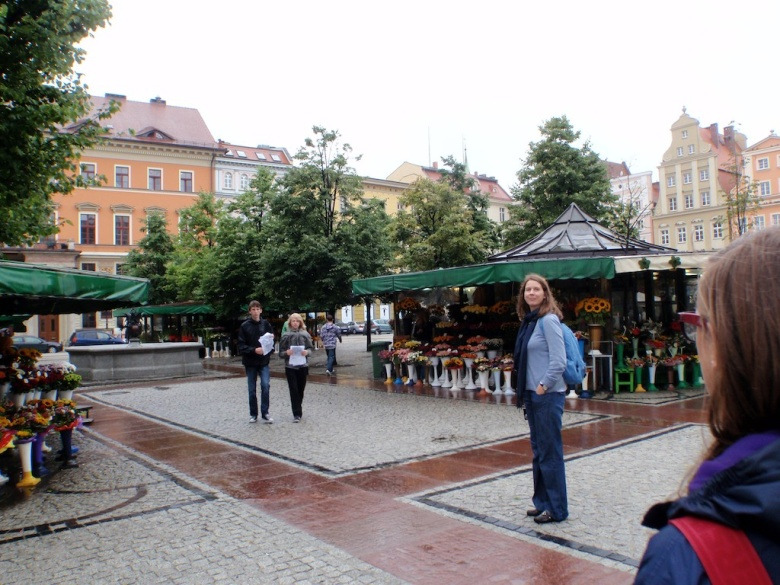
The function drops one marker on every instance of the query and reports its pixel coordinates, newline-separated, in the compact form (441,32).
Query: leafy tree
(39,96)
(742,199)
(436,228)
(150,260)
(629,212)
(235,272)
(556,174)
(323,233)
(194,247)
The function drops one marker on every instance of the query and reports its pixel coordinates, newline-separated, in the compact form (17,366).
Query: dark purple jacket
(739,488)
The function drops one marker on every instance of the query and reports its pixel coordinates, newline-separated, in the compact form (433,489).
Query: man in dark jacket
(255,360)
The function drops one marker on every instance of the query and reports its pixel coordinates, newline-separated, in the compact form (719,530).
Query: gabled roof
(575,234)
(262,154)
(153,121)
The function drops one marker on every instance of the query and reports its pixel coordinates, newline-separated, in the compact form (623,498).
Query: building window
(185,181)
(155,180)
(122,177)
(759,222)
(502,214)
(88,320)
(664,237)
(691,149)
(276,157)
(763,164)
(687,179)
(89,266)
(704,175)
(88,171)
(672,203)
(122,230)
(228,182)
(679,151)
(689,201)
(682,235)
(119,268)
(765,188)
(670,182)
(685,134)
(705,198)
(717,230)
(244,182)
(698,233)
(776,219)
(88,228)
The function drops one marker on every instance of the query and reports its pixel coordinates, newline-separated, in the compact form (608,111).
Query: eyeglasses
(691,324)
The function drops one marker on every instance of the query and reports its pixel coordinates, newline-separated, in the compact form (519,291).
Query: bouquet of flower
(411,357)
(474,309)
(677,339)
(596,310)
(476,340)
(468,355)
(673,361)
(443,325)
(70,381)
(494,343)
(650,360)
(422,359)
(443,338)
(482,364)
(30,419)
(501,308)
(28,358)
(507,362)
(408,304)
(621,338)
(651,328)
(64,415)
(635,363)
(386,355)
(453,363)
(24,380)
(655,343)
(633,332)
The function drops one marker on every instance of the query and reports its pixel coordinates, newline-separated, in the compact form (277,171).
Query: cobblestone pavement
(126,517)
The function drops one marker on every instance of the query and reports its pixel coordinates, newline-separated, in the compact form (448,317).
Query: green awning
(44,290)
(479,274)
(171,309)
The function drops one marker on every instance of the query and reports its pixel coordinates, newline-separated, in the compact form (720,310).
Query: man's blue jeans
(252,372)
(545,414)
(331,353)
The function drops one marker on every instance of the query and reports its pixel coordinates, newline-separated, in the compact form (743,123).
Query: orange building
(762,164)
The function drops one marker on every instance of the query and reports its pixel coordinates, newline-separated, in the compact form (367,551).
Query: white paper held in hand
(267,343)
(297,358)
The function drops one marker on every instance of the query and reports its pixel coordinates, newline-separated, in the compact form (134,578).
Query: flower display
(482,364)
(408,304)
(501,308)
(633,332)
(443,325)
(468,355)
(64,415)
(595,309)
(474,309)
(476,340)
(453,363)
(650,360)
(635,362)
(437,310)
(34,417)
(443,338)
(410,357)
(386,355)
(494,343)
(507,362)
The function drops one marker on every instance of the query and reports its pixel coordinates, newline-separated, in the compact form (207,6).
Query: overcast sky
(417,80)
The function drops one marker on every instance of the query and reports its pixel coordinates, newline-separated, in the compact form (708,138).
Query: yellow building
(695,175)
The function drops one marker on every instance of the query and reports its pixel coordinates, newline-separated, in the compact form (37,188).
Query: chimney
(116,96)
(714,134)
(435,164)
(157,100)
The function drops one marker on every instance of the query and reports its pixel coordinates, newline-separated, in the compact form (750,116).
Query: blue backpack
(575,366)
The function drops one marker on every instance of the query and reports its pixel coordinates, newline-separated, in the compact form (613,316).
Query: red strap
(727,554)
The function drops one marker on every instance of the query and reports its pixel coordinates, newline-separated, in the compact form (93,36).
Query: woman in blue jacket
(737,333)
(540,358)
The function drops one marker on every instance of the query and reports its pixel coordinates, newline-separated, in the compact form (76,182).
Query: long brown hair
(739,299)
(549,304)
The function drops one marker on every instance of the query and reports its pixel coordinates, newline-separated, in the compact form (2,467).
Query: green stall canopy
(170,309)
(44,290)
(492,273)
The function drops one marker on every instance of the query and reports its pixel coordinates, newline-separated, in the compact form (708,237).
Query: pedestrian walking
(727,524)
(294,348)
(330,335)
(255,360)
(540,359)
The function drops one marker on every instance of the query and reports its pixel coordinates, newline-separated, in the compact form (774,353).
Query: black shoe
(544,518)
(532,512)
(297,419)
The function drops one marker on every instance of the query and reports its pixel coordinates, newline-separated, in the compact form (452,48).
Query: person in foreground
(255,360)
(737,484)
(294,348)
(540,358)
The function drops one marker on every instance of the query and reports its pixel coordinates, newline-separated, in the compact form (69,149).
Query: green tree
(323,232)
(436,228)
(742,199)
(194,247)
(150,260)
(235,273)
(39,97)
(556,174)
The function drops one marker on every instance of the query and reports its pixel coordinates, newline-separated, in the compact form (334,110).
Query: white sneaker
(253,419)
(267,419)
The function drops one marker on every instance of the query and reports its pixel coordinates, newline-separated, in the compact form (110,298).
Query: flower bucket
(638,378)
(681,384)
(483,380)
(388,371)
(25,458)
(508,382)
(651,387)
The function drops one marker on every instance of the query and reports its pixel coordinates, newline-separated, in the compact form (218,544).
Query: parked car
(31,341)
(345,328)
(93,337)
(357,327)
(380,326)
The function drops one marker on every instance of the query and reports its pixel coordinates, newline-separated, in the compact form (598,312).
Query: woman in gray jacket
(294,347)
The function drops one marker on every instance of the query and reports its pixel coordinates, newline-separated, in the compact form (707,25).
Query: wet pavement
(379,483)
